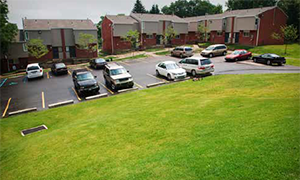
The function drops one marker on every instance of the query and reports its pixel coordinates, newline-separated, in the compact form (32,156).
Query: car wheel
(157,73)
(269,62)
(224,53)
(254,60)
(169,77)
(194,73)
(210,55)
(113,87)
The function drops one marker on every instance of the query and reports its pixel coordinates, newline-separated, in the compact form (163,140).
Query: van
(182,52)
(197,65)
(215,50)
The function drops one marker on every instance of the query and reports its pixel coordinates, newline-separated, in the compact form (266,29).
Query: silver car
(182,52)
(197,65)
(214,50)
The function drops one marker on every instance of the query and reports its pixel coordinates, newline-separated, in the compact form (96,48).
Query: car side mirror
(95,77)
(127,71)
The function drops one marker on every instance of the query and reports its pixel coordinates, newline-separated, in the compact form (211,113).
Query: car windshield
(171,66)
(188,49)
(236,52)
(85,76)
(117,71)
(210,48)
(32,68)
(274,55)
(205,62)
(99,60)
(60,65)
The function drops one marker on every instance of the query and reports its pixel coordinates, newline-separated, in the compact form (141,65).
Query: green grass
(132,57)
(154,49)
(163,53)
(227,127)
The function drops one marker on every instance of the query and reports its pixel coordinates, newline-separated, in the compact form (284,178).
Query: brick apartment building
(252,27)
(59,35)
(151,27)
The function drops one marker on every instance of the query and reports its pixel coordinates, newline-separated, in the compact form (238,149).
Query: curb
(22,111)
(125,90)
(60,103)
(96,96)
(155,84)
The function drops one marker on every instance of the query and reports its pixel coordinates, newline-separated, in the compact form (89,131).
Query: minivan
(182,52)
(214,50)
(197,65)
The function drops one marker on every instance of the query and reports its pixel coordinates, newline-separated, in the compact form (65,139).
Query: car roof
(80,71)
(240,50)
(33,64)
(198,58)
(113,66)
(218,45)
(168,62)
(183,47)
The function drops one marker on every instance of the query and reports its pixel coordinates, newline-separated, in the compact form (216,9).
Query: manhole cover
(32,130)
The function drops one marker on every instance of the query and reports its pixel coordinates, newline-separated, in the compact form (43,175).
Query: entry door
(237,37)
(158,39)
(72,51)
(226,37)
(55,52)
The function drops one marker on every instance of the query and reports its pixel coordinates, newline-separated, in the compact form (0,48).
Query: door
(158,39)
(55,52)
(226,37)
(237,37)
(72,51)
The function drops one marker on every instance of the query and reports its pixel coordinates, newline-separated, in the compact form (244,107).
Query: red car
(239,54)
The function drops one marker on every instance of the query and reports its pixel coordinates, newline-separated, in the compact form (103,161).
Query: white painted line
(125,90)
(155,84)
(250,63)
(22,111)
(96,96)
(60,103)
(138,85)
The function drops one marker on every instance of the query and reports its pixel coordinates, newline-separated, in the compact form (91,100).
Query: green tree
(139,7)
(292,9)
(202,32)
(8,31)
(154,9)
(184,8)
(99,34)
(170,33)
(248,4)
(36,48)
(87,42)
(133,37)
(288,34)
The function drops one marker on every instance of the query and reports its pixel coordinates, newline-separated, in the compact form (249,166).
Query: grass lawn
(224,127)
(132,57)
(163,53)
(154,49)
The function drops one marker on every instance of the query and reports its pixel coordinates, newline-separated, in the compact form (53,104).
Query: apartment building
(151,27)
(252,27)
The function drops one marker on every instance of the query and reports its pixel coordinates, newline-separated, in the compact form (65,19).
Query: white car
(34,71)
(170,70)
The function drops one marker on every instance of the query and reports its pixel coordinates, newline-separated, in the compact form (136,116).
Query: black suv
(98,63)
(84,82)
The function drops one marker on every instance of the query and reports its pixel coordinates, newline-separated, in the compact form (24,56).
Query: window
(26,35)
(219,33)
(163,66)
(205,62)
(246,34)
(39,32)
(149,36)
(188,49)
(182,61)
(67,49)
(256,21)
(25,47)
(192,61)
(177,37)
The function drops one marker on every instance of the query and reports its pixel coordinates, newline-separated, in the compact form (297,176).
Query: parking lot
(19,93)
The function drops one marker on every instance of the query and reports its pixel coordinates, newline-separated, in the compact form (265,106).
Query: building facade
(251,27)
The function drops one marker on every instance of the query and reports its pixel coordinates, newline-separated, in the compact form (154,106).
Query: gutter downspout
(142,41)
(112,38)
(257,35)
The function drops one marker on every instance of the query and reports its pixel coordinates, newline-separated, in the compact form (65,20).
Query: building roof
(121,19)
(157,17)
(200,18)
(47,24)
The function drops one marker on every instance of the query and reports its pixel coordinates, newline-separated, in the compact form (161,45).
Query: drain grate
(32,130)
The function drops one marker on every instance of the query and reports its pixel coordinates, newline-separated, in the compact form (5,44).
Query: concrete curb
(60,103)
(22,111)
(130,89)
(96,96)
(155,84)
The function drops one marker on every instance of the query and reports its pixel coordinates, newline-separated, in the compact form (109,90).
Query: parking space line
(88,68)
(69,72)
(3,82)
(138,85)
(43,100)
(4,113)
(122,62)
(106,88)
(76,94)
(157,78)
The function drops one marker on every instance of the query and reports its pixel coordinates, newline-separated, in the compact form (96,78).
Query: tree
(154,9)
(184,8)
(170,33)
(138,7)
(202,32)
(8,31)
(248,4)
(133,38)
(292,9)
(36,48)
(99,35)
(288,34)
(87,42)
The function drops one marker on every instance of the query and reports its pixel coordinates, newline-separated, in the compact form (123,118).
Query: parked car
(98,63)
(182,52)
(59,68)
(214,50)
(197,65)
(117,77)
(85,82)
(34,71)
(170,70)
(239,54)
(269,59)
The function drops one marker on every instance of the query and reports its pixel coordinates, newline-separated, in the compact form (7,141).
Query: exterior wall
(77,33)
(45,35)
(214,38)
(271,21)
(122,29)
(150,27)
(149,42)
(181,28)
(106,35)
(244,23)
(119,44)
(215,25)
(180,41)
(83,53)
(56,38)
(228,24)
(192,37)
(193,26)
(250,41)
(69,37)
(16,51)
(48,56)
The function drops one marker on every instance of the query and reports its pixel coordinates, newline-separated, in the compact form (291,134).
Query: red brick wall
(149,42)
(270,24)
(179,41)
(83,53)
(119,44)
(250,41)
(192,37)
(214,38)
(48,56)
(106,35)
